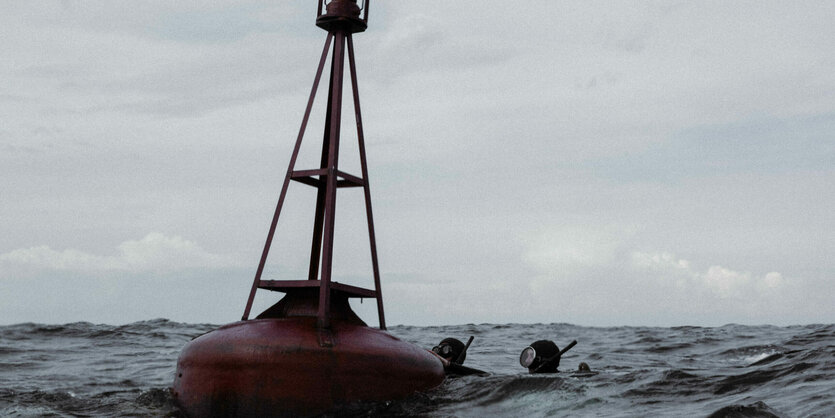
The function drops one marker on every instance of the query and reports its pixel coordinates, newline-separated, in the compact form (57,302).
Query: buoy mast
(341,18)
(309,353)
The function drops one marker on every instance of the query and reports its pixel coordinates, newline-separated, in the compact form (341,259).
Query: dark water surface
(84,369)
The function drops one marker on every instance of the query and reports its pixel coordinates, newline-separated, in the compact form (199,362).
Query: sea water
(84,369)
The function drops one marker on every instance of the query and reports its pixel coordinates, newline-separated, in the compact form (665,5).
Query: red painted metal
(281,197)
(342,19)
(215,378)
(280,365)
(345,15)
(366,188)
(309,352)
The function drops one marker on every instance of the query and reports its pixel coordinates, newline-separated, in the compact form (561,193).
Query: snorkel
(544,360)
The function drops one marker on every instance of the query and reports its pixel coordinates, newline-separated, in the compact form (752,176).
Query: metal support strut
(327,179)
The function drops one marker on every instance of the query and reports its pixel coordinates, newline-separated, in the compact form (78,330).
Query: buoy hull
(287,367)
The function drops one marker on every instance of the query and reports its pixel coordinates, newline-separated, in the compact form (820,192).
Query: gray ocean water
(84,369)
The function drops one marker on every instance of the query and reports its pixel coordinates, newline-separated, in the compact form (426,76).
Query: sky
(599,163)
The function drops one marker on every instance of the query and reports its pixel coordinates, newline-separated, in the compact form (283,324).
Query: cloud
(571,247)
(501,151)
(595,275)
(158,275)
(722,282)
(98,59)
(156,252)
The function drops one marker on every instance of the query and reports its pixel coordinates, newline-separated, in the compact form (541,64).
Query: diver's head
(540,357)
(450,349)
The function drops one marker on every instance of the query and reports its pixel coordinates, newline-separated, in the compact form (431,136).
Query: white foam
(755,358)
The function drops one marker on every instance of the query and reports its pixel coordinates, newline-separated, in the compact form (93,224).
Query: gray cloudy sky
(598,163)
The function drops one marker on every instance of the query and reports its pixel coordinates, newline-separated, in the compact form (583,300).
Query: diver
(452,350)
(452,353)
(543,356)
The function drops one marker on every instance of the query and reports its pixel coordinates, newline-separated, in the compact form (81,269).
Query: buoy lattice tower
(341,19)
(309,353)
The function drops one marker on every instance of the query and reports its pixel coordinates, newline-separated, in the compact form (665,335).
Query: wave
(152,402)
(85,369)
(754,410)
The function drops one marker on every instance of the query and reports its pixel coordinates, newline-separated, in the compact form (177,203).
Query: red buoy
(286,366)
(308,353)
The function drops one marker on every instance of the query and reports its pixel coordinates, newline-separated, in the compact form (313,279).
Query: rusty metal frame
(366,188)
(332,145)
(363,8)
(287,177)
(327,179)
